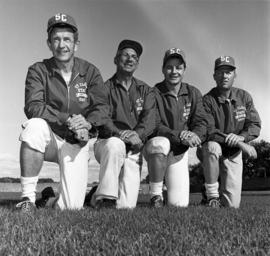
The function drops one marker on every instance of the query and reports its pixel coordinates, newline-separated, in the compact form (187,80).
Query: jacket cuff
(63,117)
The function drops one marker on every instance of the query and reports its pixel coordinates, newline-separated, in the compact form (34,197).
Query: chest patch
(240,113)
(81,91)
(186,112)
(139,105)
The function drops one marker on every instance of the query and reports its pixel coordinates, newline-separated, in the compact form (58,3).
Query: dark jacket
(184,112)
(242,118)
(47,95)
(130,110)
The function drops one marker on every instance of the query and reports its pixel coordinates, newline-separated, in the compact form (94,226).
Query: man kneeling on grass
(118,147)
(65,102)
(183,124)
(233,121)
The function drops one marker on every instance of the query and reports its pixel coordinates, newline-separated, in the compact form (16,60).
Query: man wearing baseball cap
(118,148)
(182,124)
(65,102)
(233,121)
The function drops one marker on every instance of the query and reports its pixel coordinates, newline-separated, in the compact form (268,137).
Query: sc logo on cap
(175,50)
(60,16)
(225,59)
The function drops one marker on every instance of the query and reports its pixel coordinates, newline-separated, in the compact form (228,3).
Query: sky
(204,29)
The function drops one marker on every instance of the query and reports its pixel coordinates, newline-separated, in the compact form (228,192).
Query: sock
(212,190)
(156,188)
(29,185)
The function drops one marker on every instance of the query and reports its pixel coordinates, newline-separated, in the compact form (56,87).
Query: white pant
(119,176)
(72,160)
(177,173)
(230,171)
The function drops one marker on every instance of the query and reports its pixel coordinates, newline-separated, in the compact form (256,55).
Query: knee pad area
(115,145)
(158,145)
(212,148)
(36,134)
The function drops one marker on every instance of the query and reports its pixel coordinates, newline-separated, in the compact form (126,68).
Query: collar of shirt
(78,68)
(232,98)
(165,91)
(135,81)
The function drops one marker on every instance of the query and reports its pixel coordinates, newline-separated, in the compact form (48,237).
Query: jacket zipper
(68,96)
(68,87)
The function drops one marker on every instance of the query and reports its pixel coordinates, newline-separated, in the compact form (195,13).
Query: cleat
(107,203)
(214,202)
(90,197)
(90,200)
(46,194)
(156,201)
(26,206)
(204,197)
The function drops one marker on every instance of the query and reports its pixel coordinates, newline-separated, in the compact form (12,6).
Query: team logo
(240,113)
(186,112)
(81,91)
(139,105)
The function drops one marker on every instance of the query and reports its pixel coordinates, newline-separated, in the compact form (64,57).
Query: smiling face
(173,71)
(126,61)
(224,77)
(62,44)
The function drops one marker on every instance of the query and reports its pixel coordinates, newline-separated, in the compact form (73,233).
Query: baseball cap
(61,19)
(224,61)
(136,46)
(174,52)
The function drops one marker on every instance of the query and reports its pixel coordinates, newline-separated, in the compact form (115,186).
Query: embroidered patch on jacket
(81,91)
(240,113)
(139,105)
(187,108)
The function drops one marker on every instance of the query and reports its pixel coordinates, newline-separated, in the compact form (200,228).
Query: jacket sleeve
(198,117)
(252,125)
(213,134)
(98,111)
(162,127)
(109,129)
(35,99)
(147,118)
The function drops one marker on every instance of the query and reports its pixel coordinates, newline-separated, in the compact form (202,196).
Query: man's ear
(76,47)
(49,44)
(235,74)
(115,60)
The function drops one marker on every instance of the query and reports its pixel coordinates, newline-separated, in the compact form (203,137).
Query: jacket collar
(135,81)
(165,91)
(222,100)
(77,67)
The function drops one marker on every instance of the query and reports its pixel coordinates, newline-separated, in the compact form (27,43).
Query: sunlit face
(173,71)
(62,44)
(127,60)
(224,77)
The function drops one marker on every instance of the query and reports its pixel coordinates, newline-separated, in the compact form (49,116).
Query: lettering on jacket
(81,91)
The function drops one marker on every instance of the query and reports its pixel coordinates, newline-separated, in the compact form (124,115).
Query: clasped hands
(234,140)
(190,139)
(131,137)
(80,126)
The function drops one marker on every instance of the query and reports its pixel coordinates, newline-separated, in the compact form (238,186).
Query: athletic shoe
(90,196)
(204,197)
(156,201)
(26,206)
(214,202)
(90,200)
(46,194)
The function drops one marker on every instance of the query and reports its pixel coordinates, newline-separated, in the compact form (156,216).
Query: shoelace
(26,206)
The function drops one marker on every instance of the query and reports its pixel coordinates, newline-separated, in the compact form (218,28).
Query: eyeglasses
(127,56)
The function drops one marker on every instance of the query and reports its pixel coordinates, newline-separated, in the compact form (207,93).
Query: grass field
(143,231)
